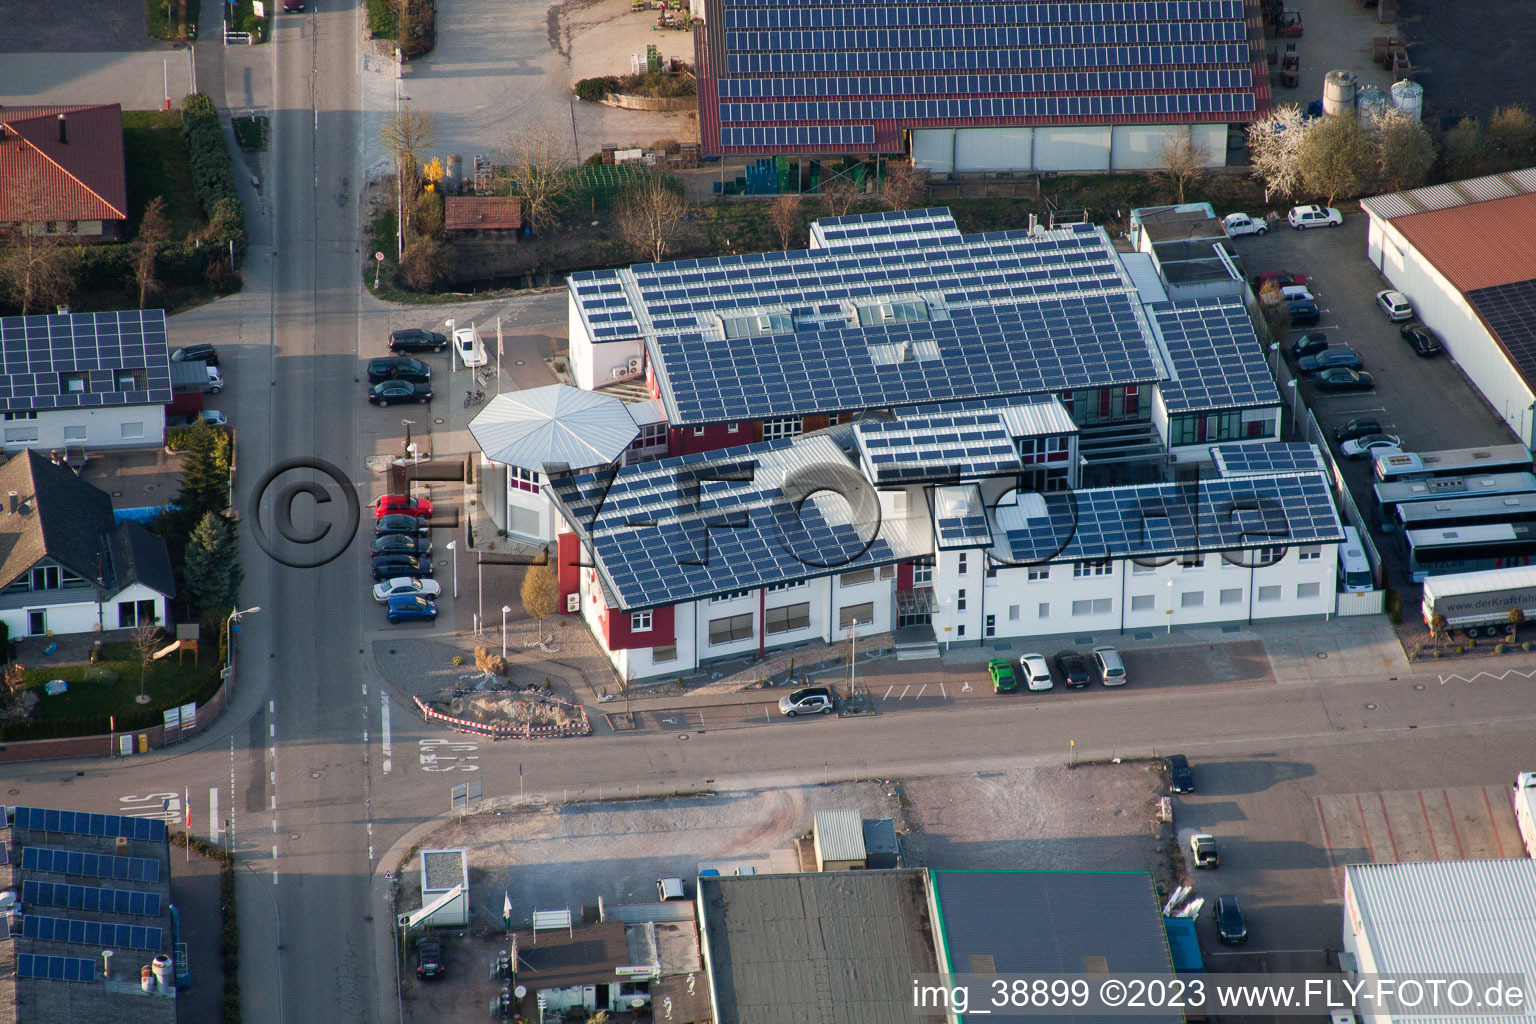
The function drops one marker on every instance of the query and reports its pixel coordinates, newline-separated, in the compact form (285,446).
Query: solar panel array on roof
(86,897)
(1509,310)
(1268,457)
(92,933)
(890,67)
(1218,362)
(935,225)
(1167,519)
(98,865)
(1047,346)
(937,447)
(81,823)
(1000,266)
(84,360)
(683,528)
(55,968)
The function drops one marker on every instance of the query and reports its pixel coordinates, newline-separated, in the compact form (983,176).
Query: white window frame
(1037,573)
(782,427)
(640,622)
(1081,570)
(1310,553)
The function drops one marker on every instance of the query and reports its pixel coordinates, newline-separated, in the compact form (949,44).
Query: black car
(1309,344)
(429,959)
(394,392)
(400,544)
(388,567)
(1304,313)
(1180,778)
(413,339)
(1345,380)
(1422,339)
(1356,428)
(199,353)
(402,524)
(398,368)
(1231,925)
(1073,668)
(1329,359)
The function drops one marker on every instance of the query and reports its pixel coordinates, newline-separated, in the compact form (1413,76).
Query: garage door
(993,149)
(523,523)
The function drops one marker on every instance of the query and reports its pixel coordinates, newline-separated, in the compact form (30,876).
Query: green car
(1003,679)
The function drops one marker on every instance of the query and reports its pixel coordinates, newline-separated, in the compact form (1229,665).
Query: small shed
(441,871)
(482,216)
(881,847)
(838,838)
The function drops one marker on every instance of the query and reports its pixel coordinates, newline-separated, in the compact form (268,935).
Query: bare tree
(838,196)
(784,214)
(1404,151)
(905,186)
(146,641)
(542,175)
(1274,144)
(1335,158)
(405,135)
(651,217)
(154,231)
(426,263)
(1182,161)
(37,267)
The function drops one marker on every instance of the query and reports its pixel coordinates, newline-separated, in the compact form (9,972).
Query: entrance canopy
(554,426)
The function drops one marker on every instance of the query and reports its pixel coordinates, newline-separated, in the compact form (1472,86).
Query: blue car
(411,608)
(1303,312)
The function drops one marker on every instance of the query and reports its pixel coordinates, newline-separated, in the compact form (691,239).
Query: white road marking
(942,692)
(965,687)
(904,690)
(274,878)
(888,690)
(274,801)
(385,745)
(920,691)
(271,707)
(1502,675)
(272,729)
(213,814)
(274,851)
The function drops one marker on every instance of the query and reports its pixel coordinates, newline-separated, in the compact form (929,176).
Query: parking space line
(1494,822)
(942,692)
(1429,826)
(1387,818)
(1460,850)
(1370,846)
(888,690)
(1338,877)
(904,690)
(920,690)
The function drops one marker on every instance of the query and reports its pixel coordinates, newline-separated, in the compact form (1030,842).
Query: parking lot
(1428,403)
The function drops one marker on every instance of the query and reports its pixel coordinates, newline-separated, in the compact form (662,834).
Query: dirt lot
(1095,817)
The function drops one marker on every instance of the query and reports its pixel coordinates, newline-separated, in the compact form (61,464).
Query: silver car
(1106,661)
(811,700)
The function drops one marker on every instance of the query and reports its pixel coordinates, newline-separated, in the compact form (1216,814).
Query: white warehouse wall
(1444,310)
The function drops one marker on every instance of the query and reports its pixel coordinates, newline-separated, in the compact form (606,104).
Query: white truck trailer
(1480,602)
(1525,809)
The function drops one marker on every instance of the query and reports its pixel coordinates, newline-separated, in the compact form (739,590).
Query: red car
(1280,278)
(393,504)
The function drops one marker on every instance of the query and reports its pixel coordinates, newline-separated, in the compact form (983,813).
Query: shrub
(1500,648)
(1460,649)
(213,173)
(1394,607)
(594,90)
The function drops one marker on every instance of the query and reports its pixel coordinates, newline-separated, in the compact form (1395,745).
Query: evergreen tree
(212,572)
(204,476)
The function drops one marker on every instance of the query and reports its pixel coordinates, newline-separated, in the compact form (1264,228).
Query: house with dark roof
(1031,86)
(87,932)
(65,565)
(84,381)
(1465,255)
(64,171)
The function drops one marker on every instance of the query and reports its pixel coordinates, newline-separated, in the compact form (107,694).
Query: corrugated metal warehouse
(1025,86)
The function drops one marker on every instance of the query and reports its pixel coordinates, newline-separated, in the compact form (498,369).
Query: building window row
(1214,427)
(639,622)
(1043,449)
(782,427)
(735,595)
(731,629)
(652,435)
(523,479)
(1104,568)
(779,587)
(788,618)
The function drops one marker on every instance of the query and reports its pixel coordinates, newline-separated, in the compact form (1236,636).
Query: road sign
(379,256)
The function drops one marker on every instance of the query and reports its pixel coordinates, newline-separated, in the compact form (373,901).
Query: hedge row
(178,264)
(213,172)
(98,725)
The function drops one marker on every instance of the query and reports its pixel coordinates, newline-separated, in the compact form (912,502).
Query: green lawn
(163,18)
(168,683)
(158,165)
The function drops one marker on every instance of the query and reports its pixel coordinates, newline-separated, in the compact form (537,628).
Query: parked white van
(1354,568)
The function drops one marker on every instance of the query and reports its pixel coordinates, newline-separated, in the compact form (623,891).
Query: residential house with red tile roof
(474,215)
(62,167)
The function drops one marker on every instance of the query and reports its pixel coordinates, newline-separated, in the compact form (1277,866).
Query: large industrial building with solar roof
(970,437)
(1465,255)
(1023,86)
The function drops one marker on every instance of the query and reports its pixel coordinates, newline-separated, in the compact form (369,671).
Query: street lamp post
(1170,607)
(505,609)
(407,424)
(229,641)
(453,546)
(1295,397)
(1274,350)
(415,458)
